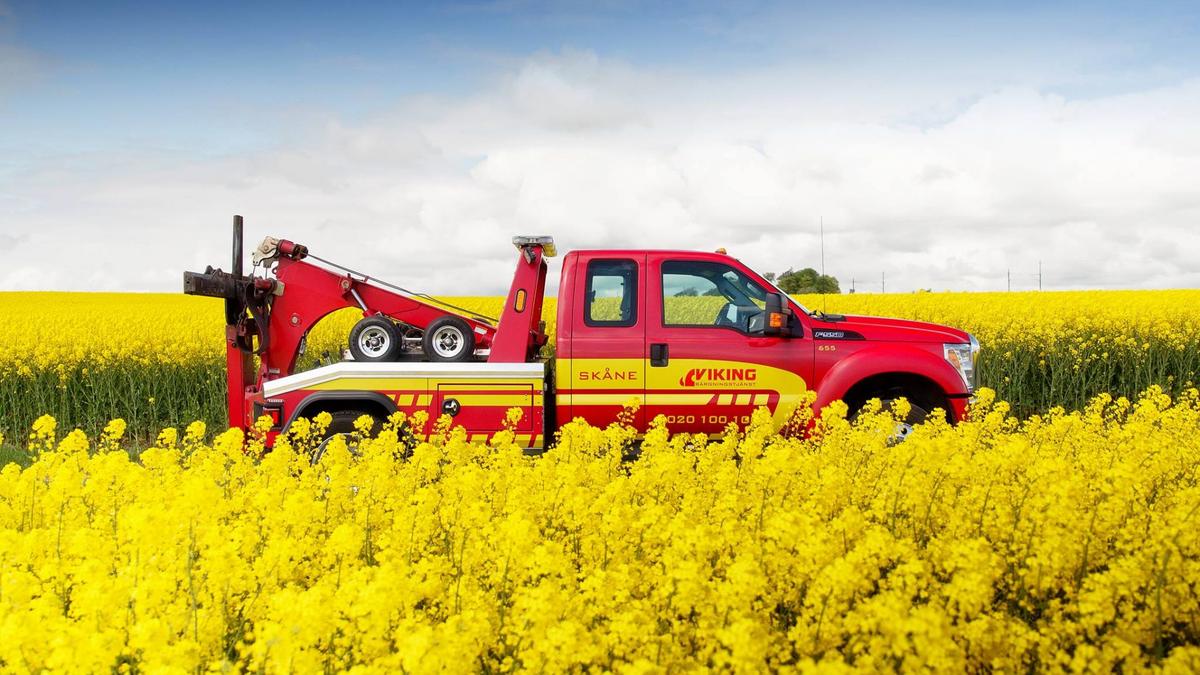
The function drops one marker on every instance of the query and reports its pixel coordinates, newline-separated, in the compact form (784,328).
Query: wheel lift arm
(311,292)
(269,318)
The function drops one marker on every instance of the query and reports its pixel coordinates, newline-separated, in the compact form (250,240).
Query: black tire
(917,414)
(375,339)
(342,425)
(449,339)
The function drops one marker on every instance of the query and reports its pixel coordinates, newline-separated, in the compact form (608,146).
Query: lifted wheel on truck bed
(375,339)
(449,339)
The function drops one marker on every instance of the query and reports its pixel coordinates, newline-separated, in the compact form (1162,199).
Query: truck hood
(876,328)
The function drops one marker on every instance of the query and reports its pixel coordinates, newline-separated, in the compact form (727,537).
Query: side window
(699,294)
(611,293)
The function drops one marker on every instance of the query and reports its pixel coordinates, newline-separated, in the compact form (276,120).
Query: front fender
(883,359)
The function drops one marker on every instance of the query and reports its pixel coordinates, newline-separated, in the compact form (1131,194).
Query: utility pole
(883,282)
(1039,275)
(1010,280)
(851,284)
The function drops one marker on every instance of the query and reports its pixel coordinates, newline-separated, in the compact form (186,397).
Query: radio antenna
(822,245)
(824,300)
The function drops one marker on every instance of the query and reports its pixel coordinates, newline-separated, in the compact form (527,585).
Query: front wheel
(916,415)
(449,339)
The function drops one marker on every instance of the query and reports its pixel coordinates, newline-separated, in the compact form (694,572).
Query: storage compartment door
(481,408)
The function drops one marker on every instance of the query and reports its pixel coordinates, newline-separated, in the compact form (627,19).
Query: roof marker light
(545,241)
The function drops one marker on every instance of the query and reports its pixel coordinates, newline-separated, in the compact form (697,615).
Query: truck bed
(477,395)
(344,370)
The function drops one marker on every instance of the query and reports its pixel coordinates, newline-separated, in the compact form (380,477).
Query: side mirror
(776,318)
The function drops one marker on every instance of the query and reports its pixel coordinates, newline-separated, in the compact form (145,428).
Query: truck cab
(689,335)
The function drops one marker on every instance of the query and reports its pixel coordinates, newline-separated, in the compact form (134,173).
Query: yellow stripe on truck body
(478,396)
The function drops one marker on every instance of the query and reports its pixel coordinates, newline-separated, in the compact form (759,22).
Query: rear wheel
(375,339)
(449,339)
(343,425)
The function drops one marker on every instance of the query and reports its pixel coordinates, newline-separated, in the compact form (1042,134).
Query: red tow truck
(697,337)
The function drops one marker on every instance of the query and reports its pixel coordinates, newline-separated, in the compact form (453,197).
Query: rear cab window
(611,293)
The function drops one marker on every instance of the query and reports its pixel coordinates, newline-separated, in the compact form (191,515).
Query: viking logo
(718,376)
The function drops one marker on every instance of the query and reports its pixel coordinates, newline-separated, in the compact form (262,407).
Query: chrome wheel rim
(375,342)
(447,341)
(319,451)
(901,433)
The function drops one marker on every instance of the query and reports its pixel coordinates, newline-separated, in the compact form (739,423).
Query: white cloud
(601,153)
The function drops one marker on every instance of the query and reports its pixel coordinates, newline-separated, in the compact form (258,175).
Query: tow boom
(269,316)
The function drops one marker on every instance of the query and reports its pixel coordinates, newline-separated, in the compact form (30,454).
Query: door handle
(659,355)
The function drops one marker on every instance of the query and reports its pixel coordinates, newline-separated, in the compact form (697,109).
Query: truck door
(605,347)
(709,363)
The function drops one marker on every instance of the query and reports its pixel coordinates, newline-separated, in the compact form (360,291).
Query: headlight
(963,357)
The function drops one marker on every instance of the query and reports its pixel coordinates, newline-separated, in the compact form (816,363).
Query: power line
(1008,277)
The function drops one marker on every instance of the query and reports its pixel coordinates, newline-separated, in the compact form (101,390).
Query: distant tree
(807,280)
(769,276)
(689,292)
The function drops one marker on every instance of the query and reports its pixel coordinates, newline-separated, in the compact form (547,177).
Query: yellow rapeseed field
(1064,543)
(156,359)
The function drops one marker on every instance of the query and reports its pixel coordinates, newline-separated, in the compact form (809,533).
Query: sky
(943,146)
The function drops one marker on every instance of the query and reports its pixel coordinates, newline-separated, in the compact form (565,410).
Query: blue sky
(740,121)
(215,75)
